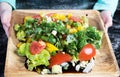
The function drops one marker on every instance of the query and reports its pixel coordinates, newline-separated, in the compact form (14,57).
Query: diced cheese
(56,69)
(54,32)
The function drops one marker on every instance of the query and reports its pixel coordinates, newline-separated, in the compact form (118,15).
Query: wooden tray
(105,63)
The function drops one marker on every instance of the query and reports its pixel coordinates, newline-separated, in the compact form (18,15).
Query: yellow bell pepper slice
(80,27)
(26,18)
(59,16)
(19,44)
(51,48)
(68,26)
(72,30)
(69,15)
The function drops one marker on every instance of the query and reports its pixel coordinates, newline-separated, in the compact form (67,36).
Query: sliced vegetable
(19,44)
(42,43)
(51,48)
(87,52)
(72,30)
(37,17)
(37,47)
(59,58)
(75,19)
(80,27)
(69,15)
(59,16)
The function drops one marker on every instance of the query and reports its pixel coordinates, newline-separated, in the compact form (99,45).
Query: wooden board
(105,62)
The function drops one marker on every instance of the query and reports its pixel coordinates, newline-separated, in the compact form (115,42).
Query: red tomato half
(59,58)
(75,19)
(87,52)
(37,47)
(42,43)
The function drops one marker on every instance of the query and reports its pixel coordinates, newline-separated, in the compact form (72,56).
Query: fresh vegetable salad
(56,43)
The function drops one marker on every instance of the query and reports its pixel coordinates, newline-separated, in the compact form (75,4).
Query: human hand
(5,14)
(107,19)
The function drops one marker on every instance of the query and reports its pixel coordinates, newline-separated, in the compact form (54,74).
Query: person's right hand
(5,14)
(107,19)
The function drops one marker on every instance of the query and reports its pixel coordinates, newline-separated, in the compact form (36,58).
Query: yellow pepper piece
(69,15)
(51,48)
(59,16)
(26,18)
(29,40)
(80,28)
(42,14)
(68,26)
(73,30)
(19,44)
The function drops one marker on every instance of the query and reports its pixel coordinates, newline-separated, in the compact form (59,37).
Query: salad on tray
(57,43)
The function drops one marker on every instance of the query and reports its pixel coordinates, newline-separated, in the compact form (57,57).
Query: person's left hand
(107,19)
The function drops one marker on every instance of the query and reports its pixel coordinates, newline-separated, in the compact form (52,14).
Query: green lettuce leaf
(23,49)
(39,59)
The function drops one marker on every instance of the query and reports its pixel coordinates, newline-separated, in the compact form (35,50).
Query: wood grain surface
(105,61)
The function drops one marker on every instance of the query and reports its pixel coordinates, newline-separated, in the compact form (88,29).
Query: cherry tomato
(87,52)
(75,19)
(37,16)
(59,58)
(37,47)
